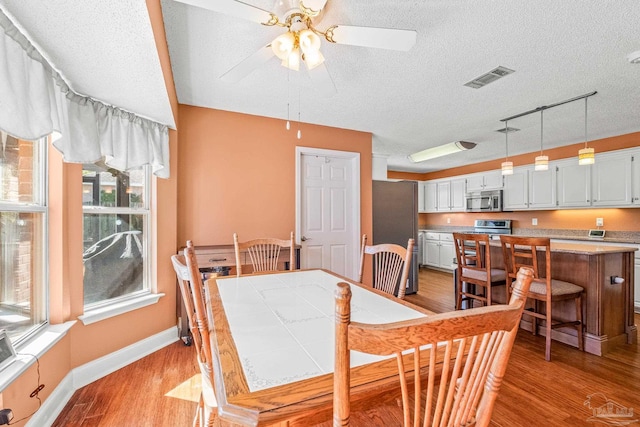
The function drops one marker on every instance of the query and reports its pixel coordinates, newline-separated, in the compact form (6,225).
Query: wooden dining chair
(523,251)
(264,253)
(474,269)
(391,265)
(464,374)
(193,295)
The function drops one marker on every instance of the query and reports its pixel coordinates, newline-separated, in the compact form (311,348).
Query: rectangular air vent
(489,77)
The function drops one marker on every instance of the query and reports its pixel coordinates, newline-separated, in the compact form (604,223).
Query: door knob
(304,239)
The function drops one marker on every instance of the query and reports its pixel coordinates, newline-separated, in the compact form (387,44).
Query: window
(116,218)
(23,231)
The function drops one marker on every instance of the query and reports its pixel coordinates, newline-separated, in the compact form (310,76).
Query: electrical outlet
(534,221)
(599,222)
(448,220)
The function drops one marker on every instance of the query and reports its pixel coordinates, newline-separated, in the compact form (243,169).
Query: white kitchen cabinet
(611,180)
(421,196)
(458,201)
(438,251)
(444,196)
(490,180)
(430,197)
(574,184)
(516,190)
(635,179)
(542,189)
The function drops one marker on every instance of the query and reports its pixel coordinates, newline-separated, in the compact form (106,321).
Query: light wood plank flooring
(161,389)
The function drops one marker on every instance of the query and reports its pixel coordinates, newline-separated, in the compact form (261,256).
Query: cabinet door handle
(217,259)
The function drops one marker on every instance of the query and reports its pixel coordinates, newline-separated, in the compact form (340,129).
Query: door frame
(354,159)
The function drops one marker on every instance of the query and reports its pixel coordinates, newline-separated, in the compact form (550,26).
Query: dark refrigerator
(395,219)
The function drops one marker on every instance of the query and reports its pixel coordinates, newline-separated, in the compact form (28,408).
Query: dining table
(273,341)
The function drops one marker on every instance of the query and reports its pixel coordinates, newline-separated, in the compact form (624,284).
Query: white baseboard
(96,369)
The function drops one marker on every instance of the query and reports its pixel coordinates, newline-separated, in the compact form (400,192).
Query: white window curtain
(35,101)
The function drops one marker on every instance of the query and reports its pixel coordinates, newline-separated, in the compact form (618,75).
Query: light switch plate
(599,222)
(534,221)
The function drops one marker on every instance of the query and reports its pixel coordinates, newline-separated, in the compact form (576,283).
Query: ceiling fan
(301,41)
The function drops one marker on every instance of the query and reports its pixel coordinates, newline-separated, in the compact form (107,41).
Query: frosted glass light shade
(441,150)
(542,163)
(292,62)
(586,156)
(507,168)
(283,45)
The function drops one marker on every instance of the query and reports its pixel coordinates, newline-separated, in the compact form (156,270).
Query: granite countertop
(587,248)
(625,237)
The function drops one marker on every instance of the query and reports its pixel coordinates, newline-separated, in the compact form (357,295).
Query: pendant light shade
(507,166)
(586,156)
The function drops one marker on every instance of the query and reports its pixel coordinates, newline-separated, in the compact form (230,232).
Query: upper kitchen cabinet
(430,196)
(490,180)
(574,184)
(451,195)
(542,189)
(516,190)
(528,188)
(611,179)
(606,183)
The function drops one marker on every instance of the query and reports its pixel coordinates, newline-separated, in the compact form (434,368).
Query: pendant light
(542,161)
(586,156)
(507,166)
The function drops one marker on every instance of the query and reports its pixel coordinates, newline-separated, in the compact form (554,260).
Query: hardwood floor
(162,388)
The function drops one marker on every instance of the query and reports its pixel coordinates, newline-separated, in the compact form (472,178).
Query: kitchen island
(606,273)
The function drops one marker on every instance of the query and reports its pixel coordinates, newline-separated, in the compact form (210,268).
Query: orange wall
(83,343)
(237,174)
(627,219)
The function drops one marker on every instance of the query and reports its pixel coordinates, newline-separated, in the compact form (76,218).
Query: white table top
(283,324)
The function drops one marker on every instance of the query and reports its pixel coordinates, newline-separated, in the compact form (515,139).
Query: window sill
(37,346)
(119,308)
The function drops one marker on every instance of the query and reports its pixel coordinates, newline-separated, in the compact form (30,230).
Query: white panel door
(325,227)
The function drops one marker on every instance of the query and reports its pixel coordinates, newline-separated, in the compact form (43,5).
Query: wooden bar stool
(474,268)
(523,251)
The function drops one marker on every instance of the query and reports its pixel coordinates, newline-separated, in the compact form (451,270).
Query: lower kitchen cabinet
(438,250)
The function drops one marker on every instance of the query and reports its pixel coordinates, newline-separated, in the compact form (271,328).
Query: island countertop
(606,272)
(590,248)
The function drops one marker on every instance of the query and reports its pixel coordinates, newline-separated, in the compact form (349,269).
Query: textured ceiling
(409,101)
(103,49)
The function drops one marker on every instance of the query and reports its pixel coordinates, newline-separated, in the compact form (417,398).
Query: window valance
(35,101)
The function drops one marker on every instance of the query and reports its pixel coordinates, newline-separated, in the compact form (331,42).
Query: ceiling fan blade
(247,65)
(312,7)
(235,8)
(382,38)
(322,80)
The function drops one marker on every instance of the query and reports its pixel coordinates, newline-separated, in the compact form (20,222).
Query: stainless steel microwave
(484,201)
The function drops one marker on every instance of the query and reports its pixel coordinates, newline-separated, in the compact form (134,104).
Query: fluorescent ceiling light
(442,150)
(634,57)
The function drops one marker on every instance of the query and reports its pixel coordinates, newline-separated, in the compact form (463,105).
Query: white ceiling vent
(489,77)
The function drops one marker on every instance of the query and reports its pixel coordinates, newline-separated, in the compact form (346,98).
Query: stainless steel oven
(484,201)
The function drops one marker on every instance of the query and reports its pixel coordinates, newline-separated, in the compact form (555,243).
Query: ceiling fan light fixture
(441,150)
(309,41)
(283,45)
(312,59)
(292,61)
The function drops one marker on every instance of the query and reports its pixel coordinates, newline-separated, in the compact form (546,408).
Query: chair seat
(558,288)
(497,275)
